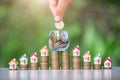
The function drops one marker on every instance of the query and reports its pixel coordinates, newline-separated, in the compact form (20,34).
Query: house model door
(45,53)
(88,58)
(24,61)
(108,64)
(34,59)
(98,60)
(77,53)
(13,66)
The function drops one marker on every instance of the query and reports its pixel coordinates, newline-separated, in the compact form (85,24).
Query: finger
(52,6)
(60,9)
(53,3)
(71,2)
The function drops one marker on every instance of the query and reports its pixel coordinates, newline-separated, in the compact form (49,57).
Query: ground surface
(113,74)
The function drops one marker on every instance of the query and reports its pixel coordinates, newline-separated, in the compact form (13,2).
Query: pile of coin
(58,40)
(97,66)
(76,62)
(44,63)
(86,65)
(23,67)
(55,60)
(65,60)
(34,66)
(107,67)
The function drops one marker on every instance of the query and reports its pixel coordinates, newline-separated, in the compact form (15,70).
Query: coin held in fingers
(59,25)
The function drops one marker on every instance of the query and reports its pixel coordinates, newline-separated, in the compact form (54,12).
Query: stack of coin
(65,60)
(54,60)
(76,62)
(97,66)
(44,63)
(107,67)
(86,65)
(34,66)
(23,67)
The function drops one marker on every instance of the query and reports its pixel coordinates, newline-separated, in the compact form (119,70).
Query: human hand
(58,8)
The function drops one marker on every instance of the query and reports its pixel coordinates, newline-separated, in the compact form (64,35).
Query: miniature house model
(97,59)
(23,60)
(44,51)
(76,51)
(87,57)
(34,58)
(13,64)
(107,62)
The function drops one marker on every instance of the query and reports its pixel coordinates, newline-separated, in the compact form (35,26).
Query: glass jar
(58,40)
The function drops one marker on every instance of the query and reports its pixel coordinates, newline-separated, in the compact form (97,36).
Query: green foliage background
(94,25)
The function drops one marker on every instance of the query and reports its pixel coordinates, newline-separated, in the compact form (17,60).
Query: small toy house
(23,60)
(97,59)
(87,57)
(107,62)
(34,58)
(76,51)
(44,51)
(13,64)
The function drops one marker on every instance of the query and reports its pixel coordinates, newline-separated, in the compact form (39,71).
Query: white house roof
(76,47)
(13,60)
(98,55)
(108,58)
(87,54)
(44,48)
(23,56)
(35,54)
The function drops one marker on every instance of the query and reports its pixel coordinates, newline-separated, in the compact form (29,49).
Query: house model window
(11,65)
(106,64)
(32,59)
(86,58)
(96,60)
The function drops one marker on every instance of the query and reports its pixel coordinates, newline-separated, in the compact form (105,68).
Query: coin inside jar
(59,25)
(58,40)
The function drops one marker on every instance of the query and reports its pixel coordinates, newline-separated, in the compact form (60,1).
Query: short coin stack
(86,65)
(44,62)
(76,62)
(65,60)
(23,67)
(34,66)
(55,60)
(97,66)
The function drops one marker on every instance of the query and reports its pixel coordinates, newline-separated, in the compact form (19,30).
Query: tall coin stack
(55,60)
(76,58)
(65,60)
(97,62)
(86,61)
(44,58)
(23,62)
(34,61)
